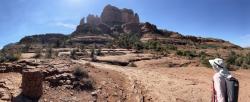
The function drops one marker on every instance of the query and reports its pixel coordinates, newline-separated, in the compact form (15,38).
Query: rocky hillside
(113,23)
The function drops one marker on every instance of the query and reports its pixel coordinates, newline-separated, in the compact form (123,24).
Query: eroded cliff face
(112,20)
(93,20)
(114,16)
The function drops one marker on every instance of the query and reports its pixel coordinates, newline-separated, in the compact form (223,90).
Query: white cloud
(66,25)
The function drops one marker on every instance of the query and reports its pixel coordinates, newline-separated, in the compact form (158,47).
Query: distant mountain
(113,23)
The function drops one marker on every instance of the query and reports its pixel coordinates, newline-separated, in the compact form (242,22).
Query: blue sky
(225,19)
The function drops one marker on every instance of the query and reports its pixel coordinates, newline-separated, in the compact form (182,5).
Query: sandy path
(187,84)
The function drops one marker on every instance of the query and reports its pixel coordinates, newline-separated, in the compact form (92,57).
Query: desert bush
(242,61)
(48,53)
(127,41)
(204,61)
(179,52)
(26,48)
(153,45)
(247,58)
(99,52)
(189,54)
(239,61)
(171,47)
(208,46)
(93,54)
(1,57)
(73,54)
(12,57)
(138,46)
(83,81)
(202,53)
(37,53)
(9,57)
(82,47)
(231,58)
(80,73)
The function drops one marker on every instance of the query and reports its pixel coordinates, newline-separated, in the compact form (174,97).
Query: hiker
(225,87)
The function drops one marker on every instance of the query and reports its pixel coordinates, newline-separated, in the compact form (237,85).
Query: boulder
(32,83)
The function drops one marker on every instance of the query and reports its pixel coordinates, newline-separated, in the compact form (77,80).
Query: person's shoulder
(216,76)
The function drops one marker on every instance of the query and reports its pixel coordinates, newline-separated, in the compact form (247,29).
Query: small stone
(61,81)
(94,93)
(71,93)
(68,82)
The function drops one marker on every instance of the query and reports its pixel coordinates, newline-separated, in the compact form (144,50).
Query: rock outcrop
(114,16)
(93,20)
(50,38)
(112,20)
(82,21)
(32,86)
(149,28)
(131,28)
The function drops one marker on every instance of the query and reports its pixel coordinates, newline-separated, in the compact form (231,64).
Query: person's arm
(218,86)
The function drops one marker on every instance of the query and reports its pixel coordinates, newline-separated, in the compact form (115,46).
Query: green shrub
(231,58)
(202,53)
(73,54)
(189,54)
(204,61)
(239,61)
(138,46)
(247,58)
(127,41)
(12,57)
(48,53)
(171,47)
(9,57)
(99,52)
(180,53)
(80,73)
(153,45)
(93,54)
(208,46)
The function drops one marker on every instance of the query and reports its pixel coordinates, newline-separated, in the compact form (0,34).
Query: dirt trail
(159,87)
(183,84)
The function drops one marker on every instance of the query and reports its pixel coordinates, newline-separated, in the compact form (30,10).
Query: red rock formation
(114,16)
(32,83)
(93,20)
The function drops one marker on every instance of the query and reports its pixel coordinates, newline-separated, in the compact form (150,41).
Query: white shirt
(220,87)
